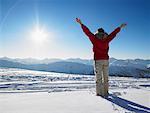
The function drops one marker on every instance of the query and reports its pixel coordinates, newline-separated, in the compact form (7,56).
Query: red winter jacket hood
(100,46)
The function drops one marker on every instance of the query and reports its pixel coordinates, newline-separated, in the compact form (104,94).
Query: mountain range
(118,67)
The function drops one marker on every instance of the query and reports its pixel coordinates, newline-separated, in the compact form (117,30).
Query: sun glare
(39,35)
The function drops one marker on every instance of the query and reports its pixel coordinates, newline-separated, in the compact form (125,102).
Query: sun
(39,35)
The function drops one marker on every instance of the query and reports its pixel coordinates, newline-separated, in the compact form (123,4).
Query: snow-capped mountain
(61,66)
(118,67)
(83,61)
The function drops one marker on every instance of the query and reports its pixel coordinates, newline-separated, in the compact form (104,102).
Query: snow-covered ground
(25,91)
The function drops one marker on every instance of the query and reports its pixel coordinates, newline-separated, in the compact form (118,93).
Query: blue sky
(65,39)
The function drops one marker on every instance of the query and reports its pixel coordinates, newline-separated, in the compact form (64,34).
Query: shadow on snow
(128,105)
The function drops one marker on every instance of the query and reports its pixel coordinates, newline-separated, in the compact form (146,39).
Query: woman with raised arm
(100,41)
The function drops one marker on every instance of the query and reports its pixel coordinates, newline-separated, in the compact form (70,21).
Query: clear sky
(47,28)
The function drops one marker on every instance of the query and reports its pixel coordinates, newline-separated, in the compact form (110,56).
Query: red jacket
(100,46)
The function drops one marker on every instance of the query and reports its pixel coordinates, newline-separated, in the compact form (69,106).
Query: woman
(100,41)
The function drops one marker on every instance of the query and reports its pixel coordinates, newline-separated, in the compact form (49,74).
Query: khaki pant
(102,72)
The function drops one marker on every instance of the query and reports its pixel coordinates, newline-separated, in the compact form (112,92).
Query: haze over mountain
(118,67)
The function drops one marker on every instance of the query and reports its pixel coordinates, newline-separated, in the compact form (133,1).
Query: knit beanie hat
(100,33)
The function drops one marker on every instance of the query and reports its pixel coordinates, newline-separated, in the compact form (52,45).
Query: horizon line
(70,58)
